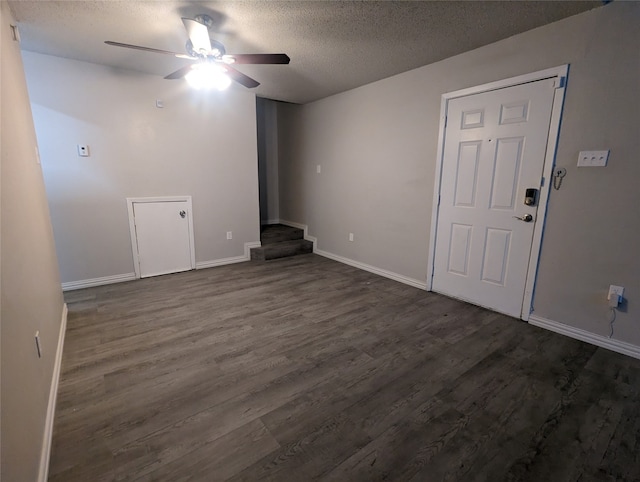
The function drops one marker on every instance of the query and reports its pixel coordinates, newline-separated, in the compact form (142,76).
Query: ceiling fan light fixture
(206,76)
(212,68)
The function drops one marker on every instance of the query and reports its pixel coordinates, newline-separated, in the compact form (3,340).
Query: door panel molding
(132,227)
(560,75)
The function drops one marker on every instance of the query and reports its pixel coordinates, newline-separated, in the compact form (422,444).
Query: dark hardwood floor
(306,369)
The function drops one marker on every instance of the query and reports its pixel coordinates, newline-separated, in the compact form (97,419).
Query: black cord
(613,318)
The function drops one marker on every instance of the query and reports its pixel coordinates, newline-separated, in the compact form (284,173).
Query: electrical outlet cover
(83,150)
(615,290)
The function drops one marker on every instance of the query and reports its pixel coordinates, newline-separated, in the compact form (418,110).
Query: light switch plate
(593,158)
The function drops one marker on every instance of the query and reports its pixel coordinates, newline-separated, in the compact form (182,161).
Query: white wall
(201,144)
(377,148)
(31,297)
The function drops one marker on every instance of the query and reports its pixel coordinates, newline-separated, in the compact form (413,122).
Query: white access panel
(162,235)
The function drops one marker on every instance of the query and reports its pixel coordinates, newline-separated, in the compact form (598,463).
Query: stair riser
(281,250)
(280,236)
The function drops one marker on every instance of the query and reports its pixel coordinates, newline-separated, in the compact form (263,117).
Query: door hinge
(15,34)
(559,83)
(445,121)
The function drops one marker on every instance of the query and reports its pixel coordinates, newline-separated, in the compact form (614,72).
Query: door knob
(182,214)
(527,218)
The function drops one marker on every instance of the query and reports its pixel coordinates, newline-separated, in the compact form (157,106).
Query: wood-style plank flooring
(304,369)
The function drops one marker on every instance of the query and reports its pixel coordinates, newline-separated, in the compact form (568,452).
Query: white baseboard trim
(314,240)
(43,472)
(247,248)
(120,278)
(232,260)
(586,336)
(105,280)
(220,262)
(373,269)
(305,230)
(356,264)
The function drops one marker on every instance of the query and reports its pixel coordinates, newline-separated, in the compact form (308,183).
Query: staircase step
(281,249)
(276,233)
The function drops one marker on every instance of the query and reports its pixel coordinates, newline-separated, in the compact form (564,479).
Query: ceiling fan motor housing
(204,20)
(217,50)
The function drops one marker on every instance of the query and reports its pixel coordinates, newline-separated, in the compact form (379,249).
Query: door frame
(560,74)
(132,226)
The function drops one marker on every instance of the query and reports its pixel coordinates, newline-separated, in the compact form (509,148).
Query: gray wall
(201,144)
(30,288)
(267,119)
(377,148)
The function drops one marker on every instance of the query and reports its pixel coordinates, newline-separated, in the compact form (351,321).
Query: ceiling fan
(209,54)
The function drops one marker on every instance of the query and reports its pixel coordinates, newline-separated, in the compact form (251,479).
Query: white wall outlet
(593,158)
(318,168)
(229,235)
(83,150)
(350,236)
(615,295)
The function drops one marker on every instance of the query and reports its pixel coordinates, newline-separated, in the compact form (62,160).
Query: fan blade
(241,78)
(148,49)
(178,74)
(257,58)
(198,34)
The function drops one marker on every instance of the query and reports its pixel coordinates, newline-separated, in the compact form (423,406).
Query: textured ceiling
(334,46)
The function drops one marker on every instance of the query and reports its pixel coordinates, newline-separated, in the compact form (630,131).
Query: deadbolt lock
(530,197)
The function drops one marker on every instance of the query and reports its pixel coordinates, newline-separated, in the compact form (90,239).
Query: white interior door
(494,150)
(162,237)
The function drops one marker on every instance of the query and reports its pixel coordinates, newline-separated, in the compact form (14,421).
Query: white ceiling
(334,45)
